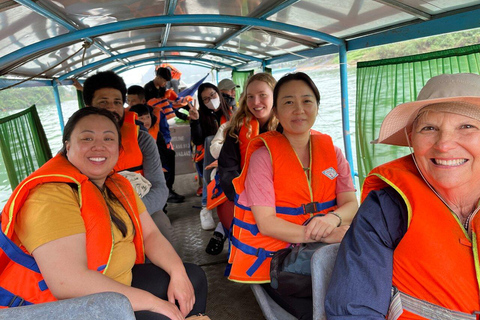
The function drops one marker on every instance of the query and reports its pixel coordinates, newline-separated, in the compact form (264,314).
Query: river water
(329,119)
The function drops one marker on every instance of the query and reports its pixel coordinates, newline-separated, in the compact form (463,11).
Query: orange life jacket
(129,117)
(154,129)
(130,157)
(21,282)
(436,261)
(176,74)
(164,105)
(199,153)
(244,140)
(296,200)
(215,194)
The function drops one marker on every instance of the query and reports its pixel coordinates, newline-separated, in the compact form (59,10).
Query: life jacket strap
(134,169)
(311,207)
(10,300)
(217,190)
(401,301)
(245,225)
(260,253)
(16,254)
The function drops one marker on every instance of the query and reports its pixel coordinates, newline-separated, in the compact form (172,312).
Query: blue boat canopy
(62,39)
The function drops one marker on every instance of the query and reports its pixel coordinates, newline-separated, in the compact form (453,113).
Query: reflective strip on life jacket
(401,301)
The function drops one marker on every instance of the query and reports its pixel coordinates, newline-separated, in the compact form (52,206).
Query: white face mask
(213,104)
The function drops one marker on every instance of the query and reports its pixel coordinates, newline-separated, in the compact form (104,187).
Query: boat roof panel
(439,6)
(341,18)
(44,38)
(15,34)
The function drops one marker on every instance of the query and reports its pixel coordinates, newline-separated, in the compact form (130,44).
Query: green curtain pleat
(24,144)
(384,84)
(240,78)
(81,104)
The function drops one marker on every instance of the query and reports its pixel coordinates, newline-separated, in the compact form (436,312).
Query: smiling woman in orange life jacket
(287,178)
(254,116)
(417,228)
(83,229)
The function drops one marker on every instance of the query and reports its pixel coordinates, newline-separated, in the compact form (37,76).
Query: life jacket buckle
(310,207)
(14,300)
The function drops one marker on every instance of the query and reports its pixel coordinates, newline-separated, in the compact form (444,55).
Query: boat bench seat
(99,306)
(323,261)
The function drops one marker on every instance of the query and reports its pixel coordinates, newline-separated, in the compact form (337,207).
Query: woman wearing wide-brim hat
(417,228)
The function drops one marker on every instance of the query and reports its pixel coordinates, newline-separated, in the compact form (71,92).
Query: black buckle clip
(310,207)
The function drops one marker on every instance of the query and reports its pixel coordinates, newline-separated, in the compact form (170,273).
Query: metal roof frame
(27,53)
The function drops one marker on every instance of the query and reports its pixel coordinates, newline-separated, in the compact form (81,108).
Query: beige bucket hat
(455,93)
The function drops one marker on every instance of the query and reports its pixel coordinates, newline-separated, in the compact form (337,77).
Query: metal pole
(56,95)
(345,114)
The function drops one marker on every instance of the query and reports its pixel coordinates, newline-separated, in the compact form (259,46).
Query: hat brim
(392,130)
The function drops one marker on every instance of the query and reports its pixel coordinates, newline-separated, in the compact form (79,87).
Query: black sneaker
(174,197)
(215,245)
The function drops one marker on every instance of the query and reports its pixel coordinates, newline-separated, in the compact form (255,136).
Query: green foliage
(401,49)
(21,98)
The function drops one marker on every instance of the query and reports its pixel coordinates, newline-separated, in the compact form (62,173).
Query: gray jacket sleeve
(156,198)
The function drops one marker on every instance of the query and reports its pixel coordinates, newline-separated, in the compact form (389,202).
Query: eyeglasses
(213,95)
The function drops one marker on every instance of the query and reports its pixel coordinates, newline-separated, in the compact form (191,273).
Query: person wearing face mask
(204,122)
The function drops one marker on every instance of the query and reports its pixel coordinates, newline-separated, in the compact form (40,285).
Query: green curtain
(240,78)
(81,104)
(24,144)
(383,84)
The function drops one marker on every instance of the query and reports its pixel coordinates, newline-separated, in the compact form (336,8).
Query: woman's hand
(181,289)
(320,227)
(212,165)
(193,112)
(167,309)
(336,235)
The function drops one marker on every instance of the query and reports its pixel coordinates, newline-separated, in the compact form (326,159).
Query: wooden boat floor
(226,299)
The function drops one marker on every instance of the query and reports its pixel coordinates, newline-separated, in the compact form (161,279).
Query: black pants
(167,157)
(151,278)
(168,162)
(300,308)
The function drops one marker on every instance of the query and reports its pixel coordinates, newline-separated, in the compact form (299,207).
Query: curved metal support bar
(152,50)
(450,23)
(177,58)
(52,16)
(347,139)
(151,61)
(58,103)
(170,10)
(27,52)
